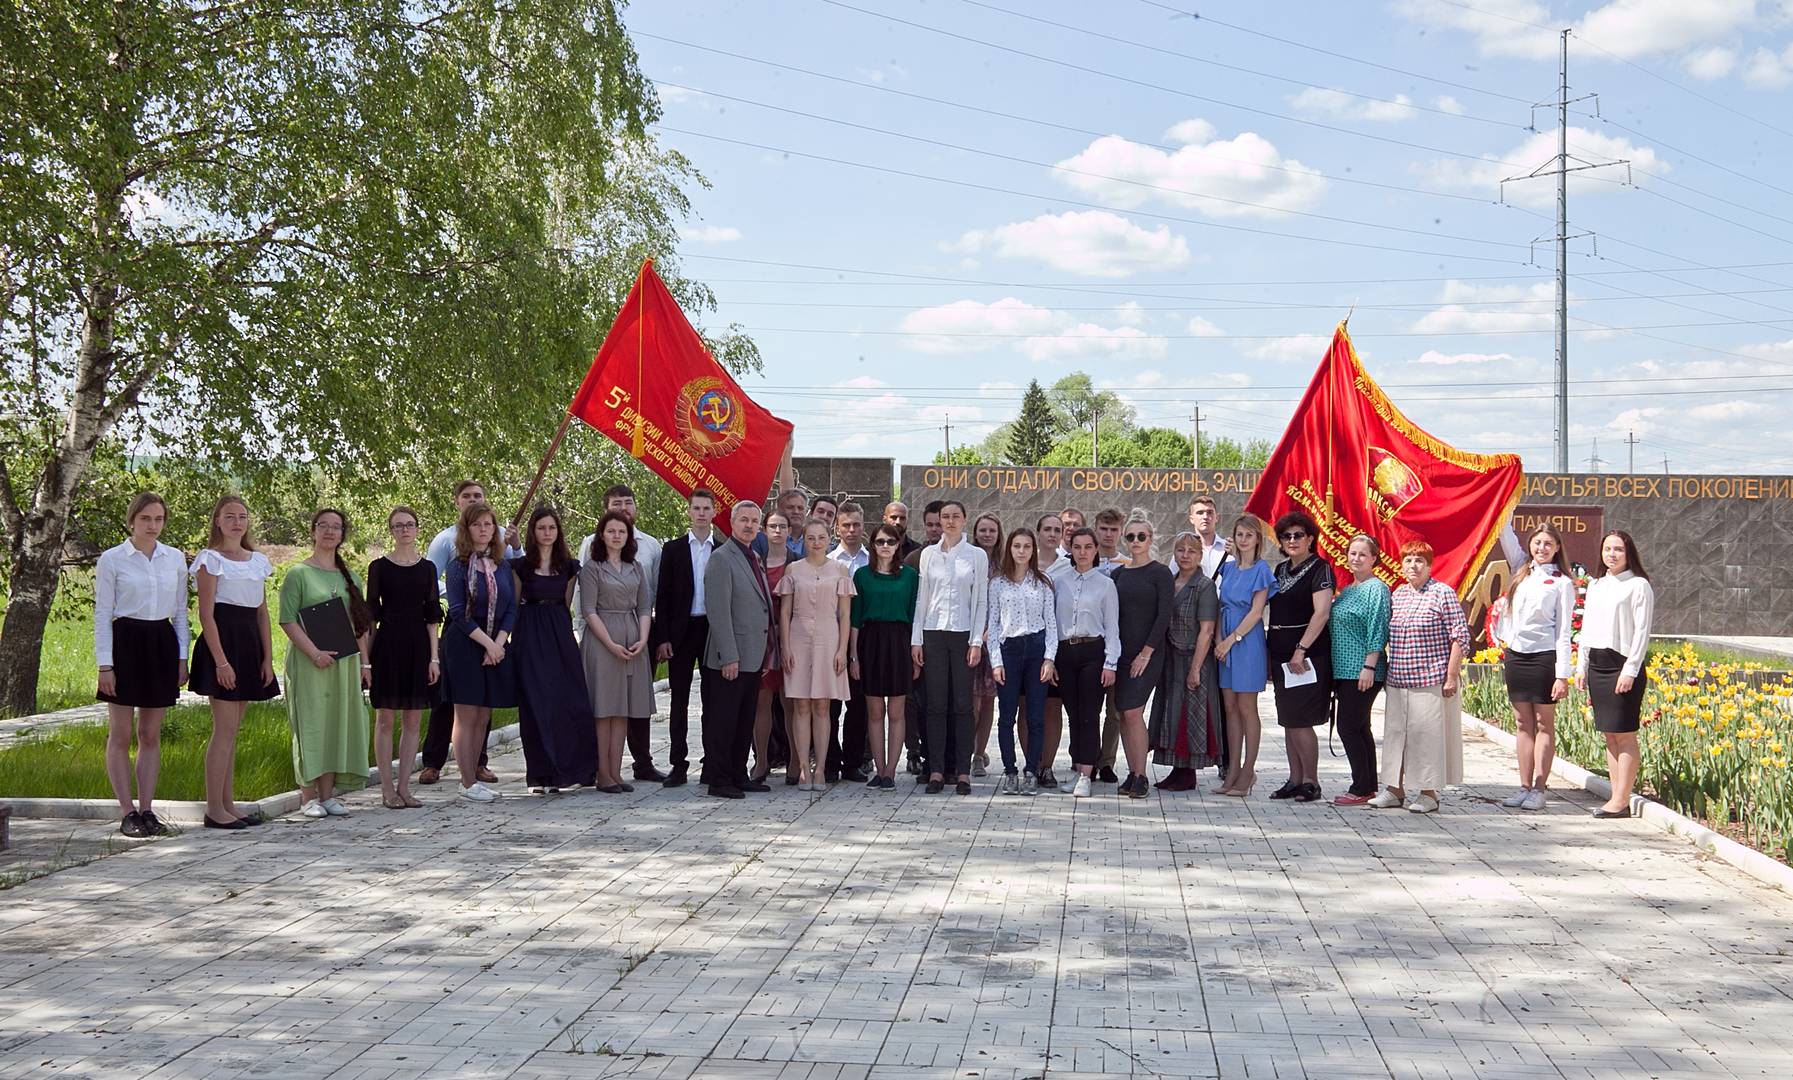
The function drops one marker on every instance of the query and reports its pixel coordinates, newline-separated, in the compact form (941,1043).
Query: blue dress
(465,677)
(560,747)
(1245,669)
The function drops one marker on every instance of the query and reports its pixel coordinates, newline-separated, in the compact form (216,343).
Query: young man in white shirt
(947,642)
(682,623)
(621,498)
(846,746)
(1203,516)
(1072,519)
(1108,558)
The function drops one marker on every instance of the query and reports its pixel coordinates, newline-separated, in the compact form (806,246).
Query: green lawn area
(70,761)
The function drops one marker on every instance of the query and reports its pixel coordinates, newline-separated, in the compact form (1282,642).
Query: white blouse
(1088,606)
(240,583)
(954,591)
(128,584)
(1617,616)
(1019,610)
(1541,615)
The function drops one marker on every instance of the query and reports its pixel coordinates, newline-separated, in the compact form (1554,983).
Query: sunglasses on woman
(1138,537)
(1293,535)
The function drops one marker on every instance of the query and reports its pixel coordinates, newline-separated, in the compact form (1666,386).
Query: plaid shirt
(1423,626)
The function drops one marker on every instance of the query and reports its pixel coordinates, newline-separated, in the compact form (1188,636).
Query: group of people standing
(924,645)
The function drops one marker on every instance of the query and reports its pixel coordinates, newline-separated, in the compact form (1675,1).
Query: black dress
(1291,606)
(405,604)
(560,737)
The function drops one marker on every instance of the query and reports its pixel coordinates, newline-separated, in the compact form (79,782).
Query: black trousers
(846,744)
(915,721)
(948,678)
(1353,715)
(438,737)
(1080,684)
(687,653)
(638,736)
(729,705)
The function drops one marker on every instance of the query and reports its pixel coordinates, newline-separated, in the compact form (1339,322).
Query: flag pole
(635,439)
(542,469)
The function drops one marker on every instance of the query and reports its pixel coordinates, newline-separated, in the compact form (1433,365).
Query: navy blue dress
(560,737)
(467,680)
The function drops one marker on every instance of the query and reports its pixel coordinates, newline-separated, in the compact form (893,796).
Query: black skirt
(146,659)
(1614,713)
(885,662)
(1306,706)
(400,656)
(239,633)
(1530,675)
(1132,693)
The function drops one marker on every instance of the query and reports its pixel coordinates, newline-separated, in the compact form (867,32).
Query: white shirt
(1088,606)
(127,584)
(1212,556)
(1541,616)
(1108,564)
(1019,610)
(1059,568)
(851,560)
(955,588)
(1617,616)
(700,561)
(240,584)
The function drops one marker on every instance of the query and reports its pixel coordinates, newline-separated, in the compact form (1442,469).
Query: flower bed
(1716,741)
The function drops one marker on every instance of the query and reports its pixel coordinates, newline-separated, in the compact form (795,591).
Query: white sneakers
(1422,804)
(334,808)
(1384,800)
(1534,800)
(1081,791)
(1516,799)
(314,809)
(478,792)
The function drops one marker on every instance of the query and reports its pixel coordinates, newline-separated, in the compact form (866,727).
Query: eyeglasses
(397,525)
(1138,537)
(884,541)
(326,527)
(1293,535)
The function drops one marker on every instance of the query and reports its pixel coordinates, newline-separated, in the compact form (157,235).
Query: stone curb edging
(1763,868)
(193,813)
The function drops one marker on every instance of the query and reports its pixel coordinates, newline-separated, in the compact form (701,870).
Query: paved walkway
(862,934)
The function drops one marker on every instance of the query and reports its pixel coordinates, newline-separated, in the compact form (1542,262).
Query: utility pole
(1665,464)
(1631,451)
(1095,436)
(948,428)
(1195,438)
(1561,171)
(1594,458)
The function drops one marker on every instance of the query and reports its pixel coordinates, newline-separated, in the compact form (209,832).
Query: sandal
(392,802)
(411,802)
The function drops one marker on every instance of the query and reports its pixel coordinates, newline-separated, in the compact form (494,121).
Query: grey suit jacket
(739,615)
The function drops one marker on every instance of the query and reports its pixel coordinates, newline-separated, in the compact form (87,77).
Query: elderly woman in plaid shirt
(1422,743)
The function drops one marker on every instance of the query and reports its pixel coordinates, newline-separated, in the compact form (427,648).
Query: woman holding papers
(1301,652)
(325,618)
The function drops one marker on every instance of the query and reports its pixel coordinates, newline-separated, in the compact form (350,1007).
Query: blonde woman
(815,623)
(1245,584)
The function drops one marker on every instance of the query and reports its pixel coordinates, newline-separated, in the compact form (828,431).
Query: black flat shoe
(234,823)
(935,787)
(611,789)
(152,825)
(755,785)
(790,779)
(963,788)
(649,775)
(720,791)
(1106,775)
(1603,813)
(1287,791)
(674,779)
(626,788)
(1139,789)
(1307,793)
(253,818)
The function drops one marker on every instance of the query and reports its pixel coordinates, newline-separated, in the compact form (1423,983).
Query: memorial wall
(1718,548)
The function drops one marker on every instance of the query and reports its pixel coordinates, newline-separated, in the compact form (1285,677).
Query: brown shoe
(487,776)
(429,775)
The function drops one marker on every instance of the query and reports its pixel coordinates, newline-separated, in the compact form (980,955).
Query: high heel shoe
(1249,781)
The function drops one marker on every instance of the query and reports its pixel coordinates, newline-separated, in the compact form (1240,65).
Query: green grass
(1707,654)
(69,762)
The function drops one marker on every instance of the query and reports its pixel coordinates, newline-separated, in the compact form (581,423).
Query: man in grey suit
(739,600)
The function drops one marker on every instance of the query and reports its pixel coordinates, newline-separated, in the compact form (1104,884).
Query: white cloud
(677,95)
(1779,351)
(1091,242)
(1484,176)
(1710,63)
(1200,173)
(1298,347)
(1768,70)
(1130,313)
(711,234)
(878,75)
(1467,308)
(1337,103)
(974,318)
(1200,327)
(1090,340)
(1449,104)
(1626,28)
(1728,412)
(1433,356)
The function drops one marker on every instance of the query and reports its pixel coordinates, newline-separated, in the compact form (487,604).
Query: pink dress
(813,593)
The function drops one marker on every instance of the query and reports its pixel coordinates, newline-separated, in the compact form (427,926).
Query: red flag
(1353,461)
(656,390)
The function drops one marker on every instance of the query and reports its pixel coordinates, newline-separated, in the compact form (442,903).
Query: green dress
(324,706)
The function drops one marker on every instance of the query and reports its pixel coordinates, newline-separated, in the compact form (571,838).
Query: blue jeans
(1021,659)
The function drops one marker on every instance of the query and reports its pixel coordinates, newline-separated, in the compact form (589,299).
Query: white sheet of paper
(1290,680)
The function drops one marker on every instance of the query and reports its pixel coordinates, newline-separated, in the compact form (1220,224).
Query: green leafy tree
(1079,404)
(1030,437)
(1224,453)
(378,240)
(962,455)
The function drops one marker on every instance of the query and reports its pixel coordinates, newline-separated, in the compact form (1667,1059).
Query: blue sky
(917,207)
